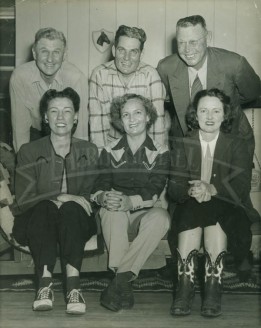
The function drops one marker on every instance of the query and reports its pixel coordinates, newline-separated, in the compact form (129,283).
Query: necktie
(196,87)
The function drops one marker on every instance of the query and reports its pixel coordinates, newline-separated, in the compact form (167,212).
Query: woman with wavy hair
(133,174)
(210,180)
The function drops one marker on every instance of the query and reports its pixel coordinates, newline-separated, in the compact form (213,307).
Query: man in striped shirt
(125,74)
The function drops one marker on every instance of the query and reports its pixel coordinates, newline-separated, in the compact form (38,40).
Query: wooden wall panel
(151,17)
(249,31)
(79,34)
(54,14)
(27,23)
(225,24)
(102,16)
(205,8)
(235,25)
(174,11)
(126,13)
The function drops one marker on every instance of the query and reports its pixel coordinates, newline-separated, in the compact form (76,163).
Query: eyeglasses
(192,43)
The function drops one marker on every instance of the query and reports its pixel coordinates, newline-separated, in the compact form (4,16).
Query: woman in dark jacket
(54,179)
(210,182)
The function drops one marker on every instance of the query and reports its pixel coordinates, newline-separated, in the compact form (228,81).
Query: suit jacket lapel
(193,154)
(179,86)
(215,74)
(222,145)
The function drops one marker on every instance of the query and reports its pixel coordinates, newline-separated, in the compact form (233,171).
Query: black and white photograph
(130,163)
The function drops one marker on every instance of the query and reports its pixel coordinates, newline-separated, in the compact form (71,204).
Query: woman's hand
(114,201)
(125,204)
(200,190)
(110,200)
(77,199)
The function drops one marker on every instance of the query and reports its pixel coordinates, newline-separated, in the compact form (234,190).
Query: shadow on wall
(174,45)
(29,56)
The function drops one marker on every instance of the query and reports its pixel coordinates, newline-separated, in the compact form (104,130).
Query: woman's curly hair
(191,114)
(119,102)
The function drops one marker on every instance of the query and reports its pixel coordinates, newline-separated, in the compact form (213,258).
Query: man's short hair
(192,21)
(131,32)
(49,33)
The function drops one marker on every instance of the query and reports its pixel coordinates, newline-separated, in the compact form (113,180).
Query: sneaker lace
(74,296)
(44,292)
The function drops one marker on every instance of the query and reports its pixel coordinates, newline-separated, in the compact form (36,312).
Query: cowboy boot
(111,296)
(118,294)
(181,305)
(211,306)
(125,285)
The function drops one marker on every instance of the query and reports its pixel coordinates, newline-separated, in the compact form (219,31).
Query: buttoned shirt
(142,175)
(105,84)
(26,90)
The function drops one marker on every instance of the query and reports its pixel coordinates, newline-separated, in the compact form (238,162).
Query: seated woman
(54,179)
(210,180)
(133,174)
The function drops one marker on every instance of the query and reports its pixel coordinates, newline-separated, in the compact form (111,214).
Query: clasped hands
(115,201)
(200,190)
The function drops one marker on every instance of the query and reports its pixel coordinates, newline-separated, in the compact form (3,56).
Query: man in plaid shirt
(125,74)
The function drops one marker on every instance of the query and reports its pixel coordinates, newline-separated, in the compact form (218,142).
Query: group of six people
(179,130)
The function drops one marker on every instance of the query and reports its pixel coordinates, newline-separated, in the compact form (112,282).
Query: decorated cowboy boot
(211,306)
(181,305)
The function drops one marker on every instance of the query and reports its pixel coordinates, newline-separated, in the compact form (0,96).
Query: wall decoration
(102,40)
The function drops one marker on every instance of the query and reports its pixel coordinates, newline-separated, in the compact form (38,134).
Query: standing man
(209,68)
(125,74)
(29,82)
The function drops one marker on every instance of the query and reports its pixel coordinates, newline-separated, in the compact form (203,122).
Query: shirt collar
(211,144)
(123,143)
(202,73)
(38,78)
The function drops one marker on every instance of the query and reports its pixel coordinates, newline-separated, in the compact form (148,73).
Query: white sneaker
(44,299)
(75,302)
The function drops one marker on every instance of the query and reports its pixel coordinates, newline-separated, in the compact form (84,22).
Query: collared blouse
(142,175)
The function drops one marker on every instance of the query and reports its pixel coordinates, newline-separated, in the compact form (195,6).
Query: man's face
(49,55)
(127,55)
(192,45)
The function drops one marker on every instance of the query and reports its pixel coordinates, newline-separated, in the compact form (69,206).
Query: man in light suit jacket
(215,68)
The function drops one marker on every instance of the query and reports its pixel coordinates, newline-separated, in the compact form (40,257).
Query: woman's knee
(71,212)
(113,216)
(70,208)
(43,208)
(161,217)
(43,212)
